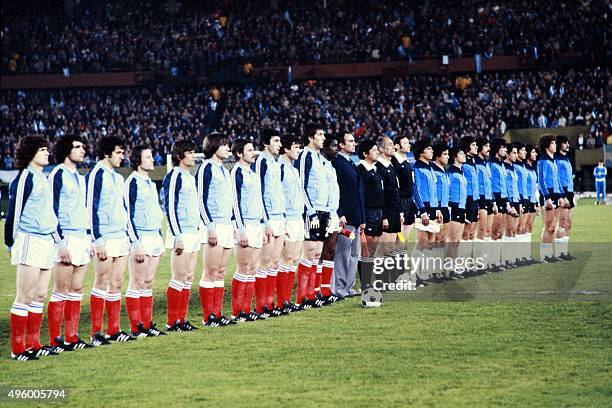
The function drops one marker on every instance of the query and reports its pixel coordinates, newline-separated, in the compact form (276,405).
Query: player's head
(216,144)
(346,141)
(183,150)
(468,145)
(440,153)
(385,146)
(112,149)
(548,144)
(71,147)
(498,148)
(456,155)
(271,140)
(521,150)
(601,162)
(401,144)
(330,147)
(290,145)
(368,150)
(314,136)
(141,155)
(422,150)
(532,153)
(32,149)
(562,143)
(483,146)
(243,149)
(511,152)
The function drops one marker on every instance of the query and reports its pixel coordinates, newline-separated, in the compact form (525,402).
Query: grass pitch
(535,336)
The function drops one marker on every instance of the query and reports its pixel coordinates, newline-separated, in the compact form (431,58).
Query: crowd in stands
(37,35)
(437,107)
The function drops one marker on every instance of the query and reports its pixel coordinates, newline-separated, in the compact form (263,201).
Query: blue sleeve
(421,191)
(237,181)
(305,165)
(130,195)
(261,168)
(19,192)
(94,187)
(204,179)
(171,202)
(56,189)
(542,179)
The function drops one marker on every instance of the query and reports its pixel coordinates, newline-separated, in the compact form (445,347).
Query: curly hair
(63,147)
(27,148)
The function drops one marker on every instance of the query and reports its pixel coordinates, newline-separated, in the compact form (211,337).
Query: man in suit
(351,213)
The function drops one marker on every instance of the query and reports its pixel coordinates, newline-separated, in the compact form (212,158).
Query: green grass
(537,336)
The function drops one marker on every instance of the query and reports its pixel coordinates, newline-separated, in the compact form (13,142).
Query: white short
(225,235)
(116,247)
(334,224)
(433,226)
(294,230)
(254,234)
(33,250)
(79,248)
(152,245)
(277,226)
(191,241)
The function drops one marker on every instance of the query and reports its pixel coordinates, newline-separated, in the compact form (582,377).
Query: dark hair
(136,155)
(288,140)
(398,139)
(519,145)
(179,149)
(510,146)
(438,149)
(481,142)
(63,147)
(212,142)
(238,147)
(309,131)
(328,141)
(529,148)
(545,142)
(107,144)
(340,135)
(27,148)
(267,134)
(419,147)
(497,144)
(453,152)
(465,142)
(365,147)
(560,140)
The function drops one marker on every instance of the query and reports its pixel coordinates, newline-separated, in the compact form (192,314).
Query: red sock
(35,317)
(186,293)
(281,278)
(239,289)
(312,281)
(112,304)
(174,295)
(96,307)
(260,290)
(72,314)
(271,287)
(132,306)
(290,282)
(318,279)
(146,307)
(206,299)
(326,277)
(303,271)
(218,298)
(248,298)
(19,318)
(55,313)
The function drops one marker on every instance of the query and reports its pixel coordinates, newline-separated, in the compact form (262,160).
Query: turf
(537,336)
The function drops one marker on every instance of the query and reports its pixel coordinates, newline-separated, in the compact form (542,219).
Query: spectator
(591,142)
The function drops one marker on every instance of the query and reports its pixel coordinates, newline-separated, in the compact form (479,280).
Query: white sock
(546,250)
(558,247)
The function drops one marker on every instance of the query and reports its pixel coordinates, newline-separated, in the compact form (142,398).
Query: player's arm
(305,166)
(261,168)
(203,183)
(237,181)
(94,188)
(19,192)
(130,195)
(56,181)
(171,202)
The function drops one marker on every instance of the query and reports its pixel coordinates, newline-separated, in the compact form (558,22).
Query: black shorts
(471,210)
(570,197)
(529,207)
(517,207)
(409,209)
(374,217)
(445,214)
(554,198)
(395,221)
(501,203)
(484,204)
(319,234)
(457,214)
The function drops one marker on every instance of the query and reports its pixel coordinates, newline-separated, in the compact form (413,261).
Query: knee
(76,288)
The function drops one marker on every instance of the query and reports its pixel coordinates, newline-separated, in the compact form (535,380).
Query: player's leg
(35,314)
(113,300)
(263,268)
(214,260)
(179,265)
(241,282)
(72,309)
(290,256)
(62,277)
(549,220)
(219,287)
(137,272)
(311,252)
(102,272)
(271,280)
(27,279)
(146,297)
(186,292)
(328,254)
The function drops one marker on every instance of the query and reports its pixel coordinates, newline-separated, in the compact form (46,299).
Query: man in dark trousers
(351,213)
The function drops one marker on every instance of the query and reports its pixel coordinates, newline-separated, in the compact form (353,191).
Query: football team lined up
(287,211)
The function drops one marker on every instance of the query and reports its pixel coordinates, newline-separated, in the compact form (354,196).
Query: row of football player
(271,225)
